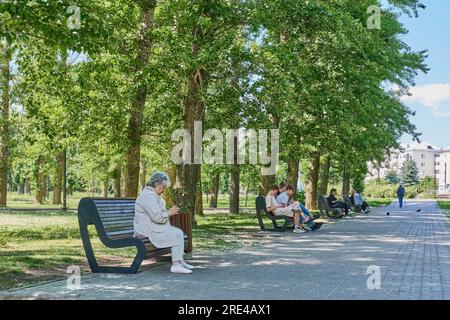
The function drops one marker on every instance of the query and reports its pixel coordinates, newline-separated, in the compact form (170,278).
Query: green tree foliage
(112,91)
(409,173)
(392,177)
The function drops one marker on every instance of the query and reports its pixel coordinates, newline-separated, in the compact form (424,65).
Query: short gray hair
(158,178)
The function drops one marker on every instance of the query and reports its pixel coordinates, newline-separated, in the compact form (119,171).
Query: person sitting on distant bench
(306,218)
(280,210)
(334,202)
(357,200)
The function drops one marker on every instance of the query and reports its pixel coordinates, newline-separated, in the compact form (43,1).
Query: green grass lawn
(28,201)
(39,245)
(378,202)
(223,201)
(445,205)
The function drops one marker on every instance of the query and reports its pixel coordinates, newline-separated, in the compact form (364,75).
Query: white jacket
(151,220)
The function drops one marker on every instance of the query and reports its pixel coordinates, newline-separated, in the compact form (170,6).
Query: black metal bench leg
(285,225)
(275,225)
(93,264)
(84,232)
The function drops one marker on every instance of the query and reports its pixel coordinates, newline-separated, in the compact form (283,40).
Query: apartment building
(430,160)
(443,171)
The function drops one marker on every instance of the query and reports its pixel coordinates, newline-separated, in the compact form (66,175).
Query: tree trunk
(265,182)
(21,188)
(105,188)
(198,198)
(324,175)
(234,179)
(345,182)
(47,187)
(116,178)
(27,186)
(134,130)
(57,187)
(292,172)
(215,182)
(246,194)
(234,188)
(4,121)
(171,171)
(40,192)
(194,107)
(312,179)
(142,174)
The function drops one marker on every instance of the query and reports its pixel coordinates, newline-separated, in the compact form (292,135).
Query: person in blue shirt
(400,195)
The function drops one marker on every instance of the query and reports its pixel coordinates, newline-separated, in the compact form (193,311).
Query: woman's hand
(173,211)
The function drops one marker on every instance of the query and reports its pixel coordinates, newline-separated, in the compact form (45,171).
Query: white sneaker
(299,230)
(186,265)
(180,269)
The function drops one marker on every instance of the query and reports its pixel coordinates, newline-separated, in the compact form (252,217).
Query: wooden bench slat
(113,202)
(117,218)
(115,205)
(117,211)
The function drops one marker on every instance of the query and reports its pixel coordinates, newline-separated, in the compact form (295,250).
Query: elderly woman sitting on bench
(152,220)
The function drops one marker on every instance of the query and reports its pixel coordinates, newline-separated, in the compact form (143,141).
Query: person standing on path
(400,195)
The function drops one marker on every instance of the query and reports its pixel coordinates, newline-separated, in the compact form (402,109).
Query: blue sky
(431,96)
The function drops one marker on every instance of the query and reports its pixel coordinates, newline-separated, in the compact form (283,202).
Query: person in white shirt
(281,210)
(306,218)
(359,201)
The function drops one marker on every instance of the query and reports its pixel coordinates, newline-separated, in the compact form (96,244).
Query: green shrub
(300,196)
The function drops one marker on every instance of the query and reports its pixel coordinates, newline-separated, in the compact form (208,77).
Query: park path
(411,249)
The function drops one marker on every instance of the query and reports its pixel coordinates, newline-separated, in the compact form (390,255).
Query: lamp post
(65,181)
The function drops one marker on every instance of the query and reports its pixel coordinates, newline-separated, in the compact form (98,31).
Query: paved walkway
(411,249)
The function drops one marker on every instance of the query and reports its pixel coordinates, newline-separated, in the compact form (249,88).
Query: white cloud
(435,96)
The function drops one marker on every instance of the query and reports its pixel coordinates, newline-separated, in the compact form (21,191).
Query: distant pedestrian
(400,195)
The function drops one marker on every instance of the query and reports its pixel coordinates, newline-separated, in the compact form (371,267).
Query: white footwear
(299,230)
(179,269)
(186,265)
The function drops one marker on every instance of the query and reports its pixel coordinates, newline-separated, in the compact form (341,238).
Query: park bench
(351,205)
(113,221)
(325,208)
(261,211)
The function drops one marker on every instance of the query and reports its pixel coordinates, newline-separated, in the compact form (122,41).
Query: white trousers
(178,250)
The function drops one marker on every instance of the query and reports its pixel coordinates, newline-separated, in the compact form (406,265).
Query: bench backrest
(112,217)
(117,216)
(348,201)
(322,203)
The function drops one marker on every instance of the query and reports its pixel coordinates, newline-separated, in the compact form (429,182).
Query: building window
(422,164)
(423,156)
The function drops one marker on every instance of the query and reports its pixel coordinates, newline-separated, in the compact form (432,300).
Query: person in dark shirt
(400,195)
(334,202)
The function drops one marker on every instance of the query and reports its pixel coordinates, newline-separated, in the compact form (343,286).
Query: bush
(300,196)
(381,190)
(384,190)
